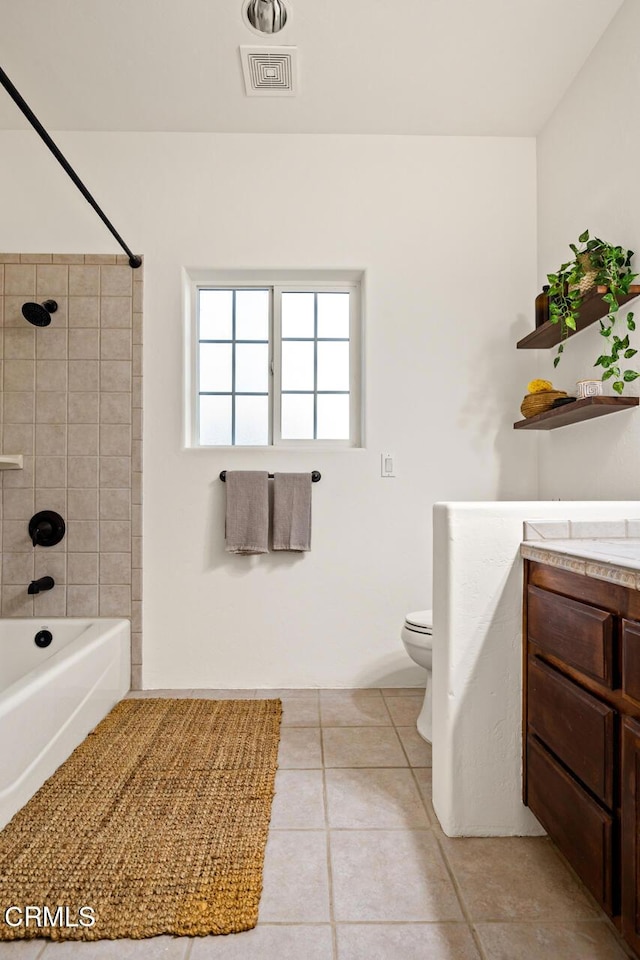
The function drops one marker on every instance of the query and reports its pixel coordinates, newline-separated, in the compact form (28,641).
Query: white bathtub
(51,698)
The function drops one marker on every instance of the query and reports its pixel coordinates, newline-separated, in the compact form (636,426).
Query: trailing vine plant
(596,263)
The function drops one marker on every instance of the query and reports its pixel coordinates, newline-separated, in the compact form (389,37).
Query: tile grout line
(463,905)
(99,460)
(66,452)
(402,746)
(449,869)
(384,923)
(421,795)
(550,922)
(334,932)
(332,918)
(428,827)
(189,949)
(388,712)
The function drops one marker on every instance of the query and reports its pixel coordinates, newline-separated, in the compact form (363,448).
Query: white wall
(587,178)
(445,229)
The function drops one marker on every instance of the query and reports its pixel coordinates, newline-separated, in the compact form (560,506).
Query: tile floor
(357,867)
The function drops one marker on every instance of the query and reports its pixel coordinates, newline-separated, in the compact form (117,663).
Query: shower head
(39,314)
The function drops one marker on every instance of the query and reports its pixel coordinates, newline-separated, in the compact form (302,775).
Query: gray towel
(292,511)
(247,519)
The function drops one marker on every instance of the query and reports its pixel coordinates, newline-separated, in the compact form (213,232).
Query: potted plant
(596,263)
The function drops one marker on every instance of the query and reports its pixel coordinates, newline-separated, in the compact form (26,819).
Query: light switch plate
(387,465)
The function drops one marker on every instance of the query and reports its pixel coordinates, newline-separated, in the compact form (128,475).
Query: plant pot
(589,388)
(590,273)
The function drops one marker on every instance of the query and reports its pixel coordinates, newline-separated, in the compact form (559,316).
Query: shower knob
(46,528)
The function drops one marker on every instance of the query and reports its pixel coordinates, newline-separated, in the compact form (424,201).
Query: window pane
(215,420)
(252,367)
(297,315)
(333,366)
(297,416)
(252,420)
(297,365)
(252,315)
(333,314)
(216,310)
(333,416)
(215,367)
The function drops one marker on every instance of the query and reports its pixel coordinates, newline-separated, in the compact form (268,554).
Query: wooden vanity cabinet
(631,659)
(630,825)
(581,730)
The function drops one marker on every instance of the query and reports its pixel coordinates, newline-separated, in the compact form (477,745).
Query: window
(275,363)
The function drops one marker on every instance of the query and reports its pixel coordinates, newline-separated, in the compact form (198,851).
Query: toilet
(416,634)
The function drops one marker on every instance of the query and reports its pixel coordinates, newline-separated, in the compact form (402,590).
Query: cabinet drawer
(631,658)
(575,726)
(575,822)
(575,632)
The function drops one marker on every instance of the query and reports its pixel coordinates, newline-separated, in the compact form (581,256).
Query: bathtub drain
(43,638)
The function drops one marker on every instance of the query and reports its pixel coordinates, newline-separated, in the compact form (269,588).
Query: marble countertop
(612,558)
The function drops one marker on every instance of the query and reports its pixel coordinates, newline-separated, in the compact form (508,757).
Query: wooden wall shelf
(593,308)
(585,409)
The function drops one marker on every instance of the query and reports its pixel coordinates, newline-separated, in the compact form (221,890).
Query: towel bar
(316,476)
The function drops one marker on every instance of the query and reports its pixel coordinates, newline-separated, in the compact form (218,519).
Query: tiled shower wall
(72,405)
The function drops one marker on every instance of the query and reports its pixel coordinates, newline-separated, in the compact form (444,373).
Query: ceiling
(438,67)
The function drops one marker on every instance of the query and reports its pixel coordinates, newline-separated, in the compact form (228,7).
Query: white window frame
(339,281)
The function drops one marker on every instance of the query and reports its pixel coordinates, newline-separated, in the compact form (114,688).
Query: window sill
(315,450)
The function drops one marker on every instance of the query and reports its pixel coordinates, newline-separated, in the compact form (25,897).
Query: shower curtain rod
(134,261)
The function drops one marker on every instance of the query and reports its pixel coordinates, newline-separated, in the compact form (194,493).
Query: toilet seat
(417,637)
(420,622)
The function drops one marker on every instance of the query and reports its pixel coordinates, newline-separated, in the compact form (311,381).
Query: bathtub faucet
(44,583)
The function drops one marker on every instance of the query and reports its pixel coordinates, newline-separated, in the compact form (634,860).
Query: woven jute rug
(156,824)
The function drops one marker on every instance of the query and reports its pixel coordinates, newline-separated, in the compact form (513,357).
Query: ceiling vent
(269,71)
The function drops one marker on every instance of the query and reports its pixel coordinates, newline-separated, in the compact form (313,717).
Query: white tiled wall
(580,529)
(71,404)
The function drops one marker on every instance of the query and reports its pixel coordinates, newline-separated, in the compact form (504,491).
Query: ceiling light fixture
(266,16)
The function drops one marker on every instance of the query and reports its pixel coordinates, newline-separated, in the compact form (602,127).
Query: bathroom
(452,225)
